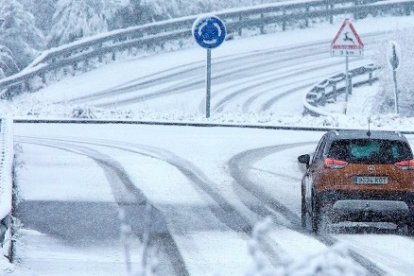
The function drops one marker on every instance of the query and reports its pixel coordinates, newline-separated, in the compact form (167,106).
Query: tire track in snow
(239,166)
(227,214)
(256,94)
(128,197)
(197,81)
(186,69)
(238,222)
(251,85)
(190,78)
(193,77)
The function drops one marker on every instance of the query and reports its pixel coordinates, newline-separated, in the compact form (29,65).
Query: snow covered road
(209,190)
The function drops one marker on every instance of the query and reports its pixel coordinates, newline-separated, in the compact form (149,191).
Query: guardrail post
(100,57)
(356,3)
(407,8)
(27,86)
(306,17)
(240,28)
(262,31)
(370,75)
(86,65)
(284,20)
(113,55)
(329,7)
(43,77)
(334,91)
(323,97)
(75,66)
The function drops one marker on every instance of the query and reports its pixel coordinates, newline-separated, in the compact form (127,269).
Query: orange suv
(358,176)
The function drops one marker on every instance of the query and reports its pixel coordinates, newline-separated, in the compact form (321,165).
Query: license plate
(371,180)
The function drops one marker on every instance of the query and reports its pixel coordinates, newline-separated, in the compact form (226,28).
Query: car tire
(316,216)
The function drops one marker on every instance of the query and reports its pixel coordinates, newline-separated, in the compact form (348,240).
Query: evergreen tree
(74,19)
(136,12)
(19,34)
(42,11)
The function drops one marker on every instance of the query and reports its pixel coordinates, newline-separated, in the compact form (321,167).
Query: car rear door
(372,165)
(314,169)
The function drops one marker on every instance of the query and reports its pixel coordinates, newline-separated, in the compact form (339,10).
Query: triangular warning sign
(347,37)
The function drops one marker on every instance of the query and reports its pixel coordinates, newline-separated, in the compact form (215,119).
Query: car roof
(363,134)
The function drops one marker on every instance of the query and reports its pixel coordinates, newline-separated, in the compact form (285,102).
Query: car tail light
(335,164)
(405,165)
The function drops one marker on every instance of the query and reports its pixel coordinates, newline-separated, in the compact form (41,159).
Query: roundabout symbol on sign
(209,31)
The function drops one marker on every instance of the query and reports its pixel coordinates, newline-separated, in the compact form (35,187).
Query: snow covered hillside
(258,79)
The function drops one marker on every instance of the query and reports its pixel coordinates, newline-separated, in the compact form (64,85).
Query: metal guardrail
(327,90)
(81,53)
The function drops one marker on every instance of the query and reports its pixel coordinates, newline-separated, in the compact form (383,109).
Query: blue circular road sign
(209,31)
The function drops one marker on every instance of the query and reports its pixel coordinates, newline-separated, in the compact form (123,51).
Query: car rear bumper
(380,207)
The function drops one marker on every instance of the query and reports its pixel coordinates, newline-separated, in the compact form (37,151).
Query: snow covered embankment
(6,187)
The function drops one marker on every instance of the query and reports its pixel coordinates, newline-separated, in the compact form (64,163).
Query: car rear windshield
(370,151)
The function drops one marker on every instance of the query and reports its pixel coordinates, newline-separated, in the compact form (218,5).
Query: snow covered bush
(82,112)
(148,263)
(336,260)
(385,97)
(261,264)
(8,65)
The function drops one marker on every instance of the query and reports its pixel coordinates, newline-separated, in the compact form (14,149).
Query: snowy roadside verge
(6,187)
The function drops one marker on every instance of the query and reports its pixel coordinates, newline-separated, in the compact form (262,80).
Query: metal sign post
(394,62)
(394,76)
(347,43)
(208,83)
(346,81)
(209,32)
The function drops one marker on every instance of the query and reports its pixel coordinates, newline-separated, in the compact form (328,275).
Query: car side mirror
(304,159)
